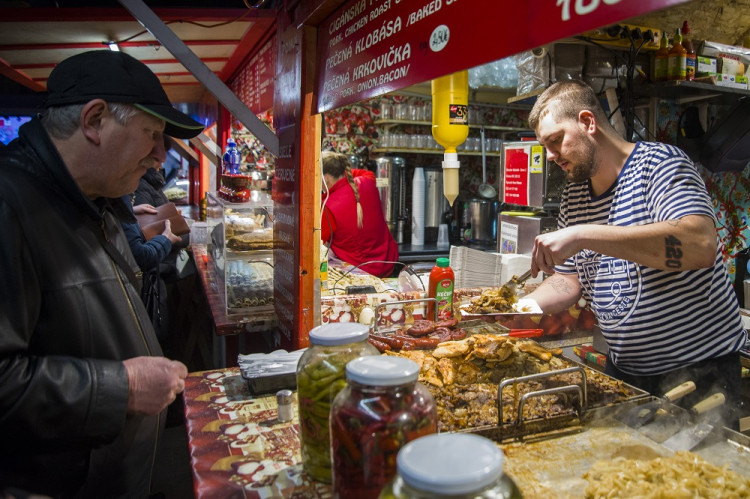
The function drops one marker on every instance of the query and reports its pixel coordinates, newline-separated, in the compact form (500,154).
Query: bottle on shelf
(677,58)
(231,158)
(690,55)
(440,287)
(661,59)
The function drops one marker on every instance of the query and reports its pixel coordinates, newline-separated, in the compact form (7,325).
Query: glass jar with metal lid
(320,376)
(382,407)
(455,465)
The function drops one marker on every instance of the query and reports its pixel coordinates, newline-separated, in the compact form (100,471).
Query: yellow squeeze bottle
(450,124)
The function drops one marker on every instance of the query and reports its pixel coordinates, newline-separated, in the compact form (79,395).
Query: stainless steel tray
(521,427)
(551,465)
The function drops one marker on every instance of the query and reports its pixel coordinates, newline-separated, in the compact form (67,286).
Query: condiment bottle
(441,288)
(690,56)
(677,58)
(450,124)
(320,376)
(382,408)
(661,59)
(285,404)
(455,465)
(323,268)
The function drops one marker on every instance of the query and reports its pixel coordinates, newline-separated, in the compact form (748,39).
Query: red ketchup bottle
(441,288)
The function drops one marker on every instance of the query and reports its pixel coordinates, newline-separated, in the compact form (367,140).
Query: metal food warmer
(553,425)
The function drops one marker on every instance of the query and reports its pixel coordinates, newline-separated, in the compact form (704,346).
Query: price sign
(371,47)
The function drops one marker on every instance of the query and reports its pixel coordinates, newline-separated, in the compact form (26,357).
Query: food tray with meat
(465,377)
(603,454)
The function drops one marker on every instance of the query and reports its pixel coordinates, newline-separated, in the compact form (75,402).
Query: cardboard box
(732,81)
(705,66)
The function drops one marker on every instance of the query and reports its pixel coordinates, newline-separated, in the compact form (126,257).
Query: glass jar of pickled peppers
(455,465)
(382,407)
(320,376)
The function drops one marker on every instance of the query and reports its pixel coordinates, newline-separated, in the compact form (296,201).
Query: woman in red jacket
(353,225)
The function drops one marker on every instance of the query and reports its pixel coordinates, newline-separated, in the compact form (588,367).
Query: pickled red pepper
(369,425)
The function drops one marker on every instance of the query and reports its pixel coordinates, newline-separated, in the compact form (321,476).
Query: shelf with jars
(429,123)
(431,151)
(424,143)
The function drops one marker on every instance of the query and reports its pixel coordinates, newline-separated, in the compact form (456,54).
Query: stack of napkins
(267,372)
(475,268)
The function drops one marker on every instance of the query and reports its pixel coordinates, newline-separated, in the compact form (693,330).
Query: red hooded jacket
(339,225)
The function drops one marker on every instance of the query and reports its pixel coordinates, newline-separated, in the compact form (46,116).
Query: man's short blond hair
(564,100)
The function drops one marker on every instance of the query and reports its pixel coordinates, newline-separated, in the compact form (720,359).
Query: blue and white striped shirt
(654,320)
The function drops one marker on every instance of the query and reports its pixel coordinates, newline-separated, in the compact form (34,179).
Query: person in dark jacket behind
(83,383)
(175,274)
(149,255)
(353,225)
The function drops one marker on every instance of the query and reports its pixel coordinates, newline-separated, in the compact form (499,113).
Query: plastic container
(442,280)
(690,55)
(677,58)
(455,465)
(320,377)
(382,408)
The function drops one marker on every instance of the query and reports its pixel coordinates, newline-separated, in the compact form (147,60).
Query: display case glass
(240,245)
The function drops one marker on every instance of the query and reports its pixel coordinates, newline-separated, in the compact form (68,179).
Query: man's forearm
(684,244)
(557,293)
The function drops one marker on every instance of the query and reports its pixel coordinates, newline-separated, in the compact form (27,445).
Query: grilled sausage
(421,328)
(381,346)
(449,323)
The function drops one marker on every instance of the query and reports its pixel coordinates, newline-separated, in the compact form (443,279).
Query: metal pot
(483,219)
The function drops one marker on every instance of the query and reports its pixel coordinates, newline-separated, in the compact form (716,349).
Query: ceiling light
(113,46)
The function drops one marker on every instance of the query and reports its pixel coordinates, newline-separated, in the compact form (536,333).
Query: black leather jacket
(69,315)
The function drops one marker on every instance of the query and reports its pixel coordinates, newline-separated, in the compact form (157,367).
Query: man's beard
(584,168)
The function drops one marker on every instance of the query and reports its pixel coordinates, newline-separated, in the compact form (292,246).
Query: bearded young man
(637,239)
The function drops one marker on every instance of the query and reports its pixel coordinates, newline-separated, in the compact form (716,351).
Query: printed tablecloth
(238,448)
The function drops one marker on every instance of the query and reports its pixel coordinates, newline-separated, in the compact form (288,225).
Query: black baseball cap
(118,78)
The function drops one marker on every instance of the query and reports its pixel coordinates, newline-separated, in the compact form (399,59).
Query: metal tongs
(514,283)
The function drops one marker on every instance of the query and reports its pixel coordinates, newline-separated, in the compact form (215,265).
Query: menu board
(254,83)
(371,47)
(284,190)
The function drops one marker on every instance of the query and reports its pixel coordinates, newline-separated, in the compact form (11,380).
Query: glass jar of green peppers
(381,409)
(320,376)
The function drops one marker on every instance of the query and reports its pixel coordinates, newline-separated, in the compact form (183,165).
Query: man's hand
(553,248)
(174,239)
(140,209)
(153,383)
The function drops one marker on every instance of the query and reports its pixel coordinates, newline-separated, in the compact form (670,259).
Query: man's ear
(587,120)
(92,116)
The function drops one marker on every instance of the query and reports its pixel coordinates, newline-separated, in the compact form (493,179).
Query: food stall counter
(238,447)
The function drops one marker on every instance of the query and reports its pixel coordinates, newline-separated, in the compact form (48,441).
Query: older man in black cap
(83,383)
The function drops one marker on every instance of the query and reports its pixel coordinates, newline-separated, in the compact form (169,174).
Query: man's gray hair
(62,121)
